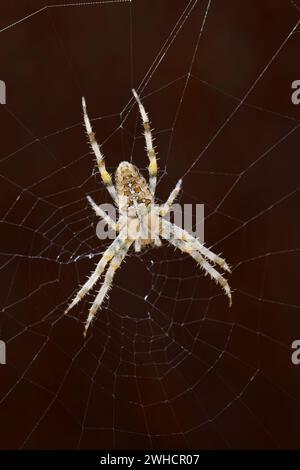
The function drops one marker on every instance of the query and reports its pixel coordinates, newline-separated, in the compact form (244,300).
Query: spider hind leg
(181,239)
(107,284)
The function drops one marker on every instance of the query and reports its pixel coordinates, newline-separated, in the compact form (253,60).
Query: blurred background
(166,363)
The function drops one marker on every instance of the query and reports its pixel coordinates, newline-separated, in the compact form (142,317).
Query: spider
(141,221)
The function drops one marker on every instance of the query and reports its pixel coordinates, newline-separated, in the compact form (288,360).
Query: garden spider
(140,220)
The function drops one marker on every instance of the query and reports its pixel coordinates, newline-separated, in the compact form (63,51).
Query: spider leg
(154,237)
(148,232)
(184,235)
(164,209)
(209,254)
(149,144)
(113,266)
(156,240)
(137,245)
(101,213)
(154,229)
(106,257)
(187,247)
(106,177)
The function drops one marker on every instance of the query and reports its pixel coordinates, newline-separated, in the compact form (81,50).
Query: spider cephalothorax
(141,222)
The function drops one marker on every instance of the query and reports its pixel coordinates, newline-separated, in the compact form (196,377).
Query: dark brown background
(177,369)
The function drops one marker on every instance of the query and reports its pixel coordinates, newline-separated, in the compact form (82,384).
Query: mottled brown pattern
(92,137)
(130,183)
(146,126)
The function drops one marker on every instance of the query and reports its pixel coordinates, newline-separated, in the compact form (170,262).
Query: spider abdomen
(132,185)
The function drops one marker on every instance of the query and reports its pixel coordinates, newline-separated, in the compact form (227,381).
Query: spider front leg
(106,177)
(114,265)
(174,235)
(152,168)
